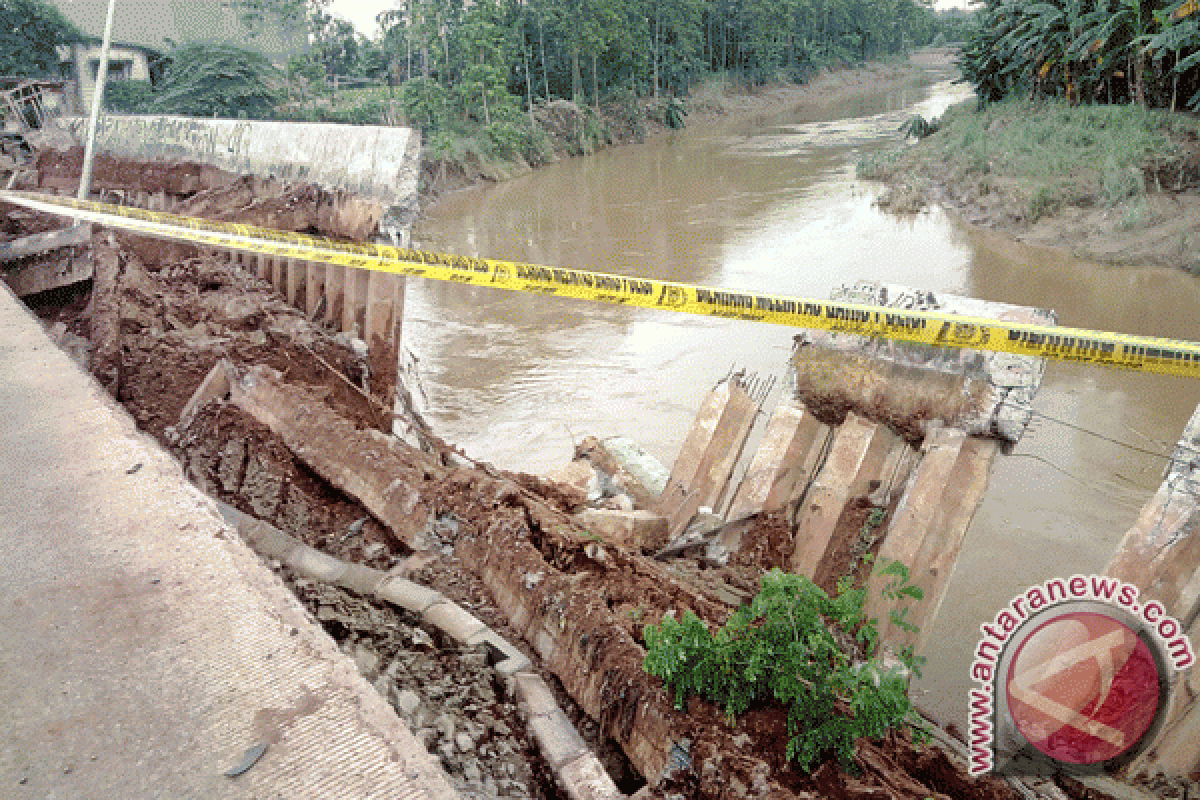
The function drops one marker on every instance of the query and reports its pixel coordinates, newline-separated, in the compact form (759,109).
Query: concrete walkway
(143,648)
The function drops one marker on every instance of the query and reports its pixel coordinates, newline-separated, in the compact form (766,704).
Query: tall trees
(1140,51)
(489,53)
(30,32)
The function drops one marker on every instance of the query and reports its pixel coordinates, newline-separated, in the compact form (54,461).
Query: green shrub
(918,127)
(218,81)
(424,101)
(128,97)
(786,646)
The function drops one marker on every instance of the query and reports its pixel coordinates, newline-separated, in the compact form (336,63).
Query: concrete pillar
(1161,552)
(296,284)
(927,528)
(779,464)
(683,472)
(1160,555)
(735,412)
(380,315)
(855,459)
(355,290)
(260,266)
(335,293)
(943,543)
(314,288)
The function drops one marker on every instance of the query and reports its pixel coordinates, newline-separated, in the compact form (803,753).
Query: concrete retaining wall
(370,160)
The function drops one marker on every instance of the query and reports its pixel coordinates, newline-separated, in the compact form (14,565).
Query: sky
(361,13)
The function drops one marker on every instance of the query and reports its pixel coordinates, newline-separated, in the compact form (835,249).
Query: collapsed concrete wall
(370,160)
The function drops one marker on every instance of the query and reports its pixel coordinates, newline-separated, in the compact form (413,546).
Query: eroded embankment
(1117,185)
(572,129)
(160,316)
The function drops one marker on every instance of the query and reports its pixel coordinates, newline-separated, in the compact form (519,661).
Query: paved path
(143,647)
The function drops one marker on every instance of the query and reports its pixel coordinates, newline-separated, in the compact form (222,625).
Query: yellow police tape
(1143,353)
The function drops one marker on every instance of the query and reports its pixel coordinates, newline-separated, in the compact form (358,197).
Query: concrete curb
(575,767)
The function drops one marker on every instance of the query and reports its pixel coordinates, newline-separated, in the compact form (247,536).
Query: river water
(771,204)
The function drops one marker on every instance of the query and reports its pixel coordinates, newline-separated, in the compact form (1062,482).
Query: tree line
(456,63)
(473,56)
(1088,51)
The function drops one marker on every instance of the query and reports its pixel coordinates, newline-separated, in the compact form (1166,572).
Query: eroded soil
(156,322)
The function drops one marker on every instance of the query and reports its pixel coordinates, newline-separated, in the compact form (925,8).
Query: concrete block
(50,271)
(455,621)
(557,738)
(922,512)
(632,530)
(858,452)
(687,463)
(578,474)
(408,595)
(585,779)
(296,282)
(314,288)
(779,463)
(39,243)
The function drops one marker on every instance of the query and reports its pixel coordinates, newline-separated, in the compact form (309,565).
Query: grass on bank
(1044,155)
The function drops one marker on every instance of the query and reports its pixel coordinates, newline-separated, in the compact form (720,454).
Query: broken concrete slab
(922,517)
(780,462)
(628,465)
(899,383)
(39,243)
(44,261)
(355,461)
(711,451)
(855,458)
(579,475)
(1160,555)
(639,531)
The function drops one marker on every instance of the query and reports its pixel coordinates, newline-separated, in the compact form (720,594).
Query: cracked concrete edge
(576,768)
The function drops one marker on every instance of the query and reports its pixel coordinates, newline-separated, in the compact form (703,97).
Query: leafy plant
(791,645)
(30,33)
(218,80)
(128,97)
(918,127)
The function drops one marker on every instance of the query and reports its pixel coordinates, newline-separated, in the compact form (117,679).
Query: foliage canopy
(30,32)
(1088,51)
(218,80)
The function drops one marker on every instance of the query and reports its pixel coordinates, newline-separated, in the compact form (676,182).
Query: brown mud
(176,320)
(506,549)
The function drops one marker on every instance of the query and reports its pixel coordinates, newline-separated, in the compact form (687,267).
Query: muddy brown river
(771,204)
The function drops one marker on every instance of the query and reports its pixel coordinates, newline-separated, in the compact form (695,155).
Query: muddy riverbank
(574,130)
(1116,185)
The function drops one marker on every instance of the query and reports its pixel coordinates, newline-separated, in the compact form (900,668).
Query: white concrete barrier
(375,161)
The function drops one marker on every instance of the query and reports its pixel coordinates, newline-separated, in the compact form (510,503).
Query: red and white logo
(1074,676)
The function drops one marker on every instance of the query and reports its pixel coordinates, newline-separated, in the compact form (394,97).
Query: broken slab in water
(904,385)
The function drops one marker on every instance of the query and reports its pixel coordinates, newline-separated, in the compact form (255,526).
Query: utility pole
(89,150)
